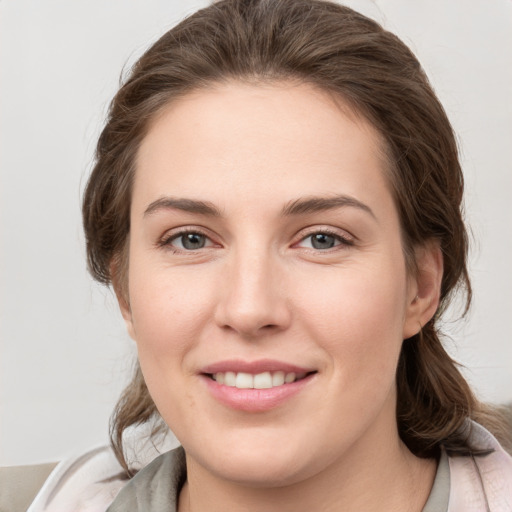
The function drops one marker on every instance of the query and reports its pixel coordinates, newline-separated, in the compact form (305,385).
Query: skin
(258,288)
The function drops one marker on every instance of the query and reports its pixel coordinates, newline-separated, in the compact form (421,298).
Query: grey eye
(322,241)
(191,241)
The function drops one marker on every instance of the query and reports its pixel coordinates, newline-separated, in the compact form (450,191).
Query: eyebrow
(187,205)
(307,205)
(301,206)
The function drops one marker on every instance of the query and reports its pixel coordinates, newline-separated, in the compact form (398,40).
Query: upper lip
(254,367)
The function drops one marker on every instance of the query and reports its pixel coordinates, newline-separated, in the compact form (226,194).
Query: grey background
(64,354)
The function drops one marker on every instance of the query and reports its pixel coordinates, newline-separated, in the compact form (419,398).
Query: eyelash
(343,240)
(166,240)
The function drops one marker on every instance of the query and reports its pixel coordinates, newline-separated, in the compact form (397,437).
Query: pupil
(193,241)
(322,241)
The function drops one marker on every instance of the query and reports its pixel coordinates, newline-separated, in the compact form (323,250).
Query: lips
(255,386)
(254,367)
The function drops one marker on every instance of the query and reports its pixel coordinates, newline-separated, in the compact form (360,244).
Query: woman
(277,203)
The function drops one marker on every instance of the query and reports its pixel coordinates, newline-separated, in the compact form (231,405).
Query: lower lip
(255,400)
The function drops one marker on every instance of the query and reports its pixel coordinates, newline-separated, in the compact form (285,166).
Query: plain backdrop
(64,353)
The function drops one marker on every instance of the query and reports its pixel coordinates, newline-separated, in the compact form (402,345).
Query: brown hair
(349,55)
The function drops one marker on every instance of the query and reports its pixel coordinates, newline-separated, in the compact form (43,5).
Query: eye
(188,241)
(323,240)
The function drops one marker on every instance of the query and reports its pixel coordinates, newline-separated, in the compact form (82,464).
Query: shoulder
(481,482)
(88,482)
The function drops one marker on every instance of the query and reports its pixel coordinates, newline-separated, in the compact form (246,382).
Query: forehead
(264,140)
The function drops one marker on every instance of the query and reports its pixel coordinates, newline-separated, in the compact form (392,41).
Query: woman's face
(265,247)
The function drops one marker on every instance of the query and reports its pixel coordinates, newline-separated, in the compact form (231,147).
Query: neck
(371,477)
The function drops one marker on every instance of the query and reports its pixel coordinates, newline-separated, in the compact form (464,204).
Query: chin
(261,474)
(269,464)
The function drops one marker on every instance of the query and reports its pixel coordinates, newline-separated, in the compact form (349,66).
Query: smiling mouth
(264,380)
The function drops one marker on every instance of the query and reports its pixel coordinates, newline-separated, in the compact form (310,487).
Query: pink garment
(89,482)
(481,483)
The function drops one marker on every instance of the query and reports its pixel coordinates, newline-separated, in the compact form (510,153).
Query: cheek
(166,307)
(357,315)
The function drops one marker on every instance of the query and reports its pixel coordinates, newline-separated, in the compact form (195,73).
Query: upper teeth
(263,380)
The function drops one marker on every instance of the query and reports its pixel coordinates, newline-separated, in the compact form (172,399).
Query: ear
(120,284)
(424,290)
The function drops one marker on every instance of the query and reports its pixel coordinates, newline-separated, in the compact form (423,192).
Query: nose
(253,297)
